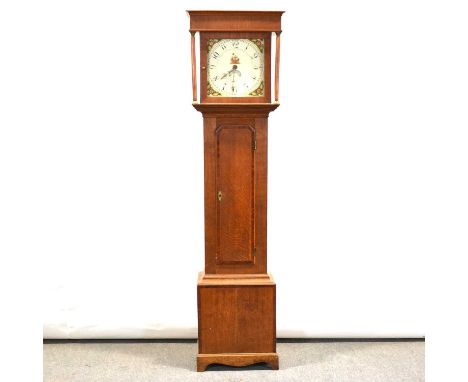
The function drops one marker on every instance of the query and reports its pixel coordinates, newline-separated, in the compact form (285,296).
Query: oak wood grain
(235,109)
(235,279)
(235,184)
(194,67)
(236,318)
(236,166)
(277,65)
(235,21)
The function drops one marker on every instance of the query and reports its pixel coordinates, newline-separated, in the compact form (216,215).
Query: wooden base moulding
(241,359)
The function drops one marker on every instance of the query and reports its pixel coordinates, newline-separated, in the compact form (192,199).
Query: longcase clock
(236,294)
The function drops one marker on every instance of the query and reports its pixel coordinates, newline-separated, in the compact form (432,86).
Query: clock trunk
(235,194)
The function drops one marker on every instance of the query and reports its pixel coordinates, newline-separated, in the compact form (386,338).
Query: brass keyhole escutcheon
(220,195)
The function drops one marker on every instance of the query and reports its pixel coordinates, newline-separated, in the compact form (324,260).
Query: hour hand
(234,67)
(225,75)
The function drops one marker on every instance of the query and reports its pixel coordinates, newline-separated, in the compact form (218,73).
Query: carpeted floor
(151,361)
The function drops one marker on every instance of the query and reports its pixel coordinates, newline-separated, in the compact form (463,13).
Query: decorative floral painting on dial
(235,67)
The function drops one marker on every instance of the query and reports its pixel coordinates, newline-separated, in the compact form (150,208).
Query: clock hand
(234,69)
(234,72)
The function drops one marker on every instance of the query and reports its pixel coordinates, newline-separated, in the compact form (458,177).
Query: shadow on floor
(257,366)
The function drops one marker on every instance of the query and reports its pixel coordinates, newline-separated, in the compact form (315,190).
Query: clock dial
(235,67)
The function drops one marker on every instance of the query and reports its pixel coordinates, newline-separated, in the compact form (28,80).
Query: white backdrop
(109,166)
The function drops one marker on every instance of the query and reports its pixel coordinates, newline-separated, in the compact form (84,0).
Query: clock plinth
(236,320)
(236,295)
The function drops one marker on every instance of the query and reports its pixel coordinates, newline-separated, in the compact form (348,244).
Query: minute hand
(234,72)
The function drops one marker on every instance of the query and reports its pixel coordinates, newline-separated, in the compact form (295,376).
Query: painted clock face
(235,67)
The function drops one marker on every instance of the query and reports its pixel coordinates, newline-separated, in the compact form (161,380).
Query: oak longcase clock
(236,294)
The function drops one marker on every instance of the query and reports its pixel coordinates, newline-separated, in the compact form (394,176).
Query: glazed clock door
(237,242)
